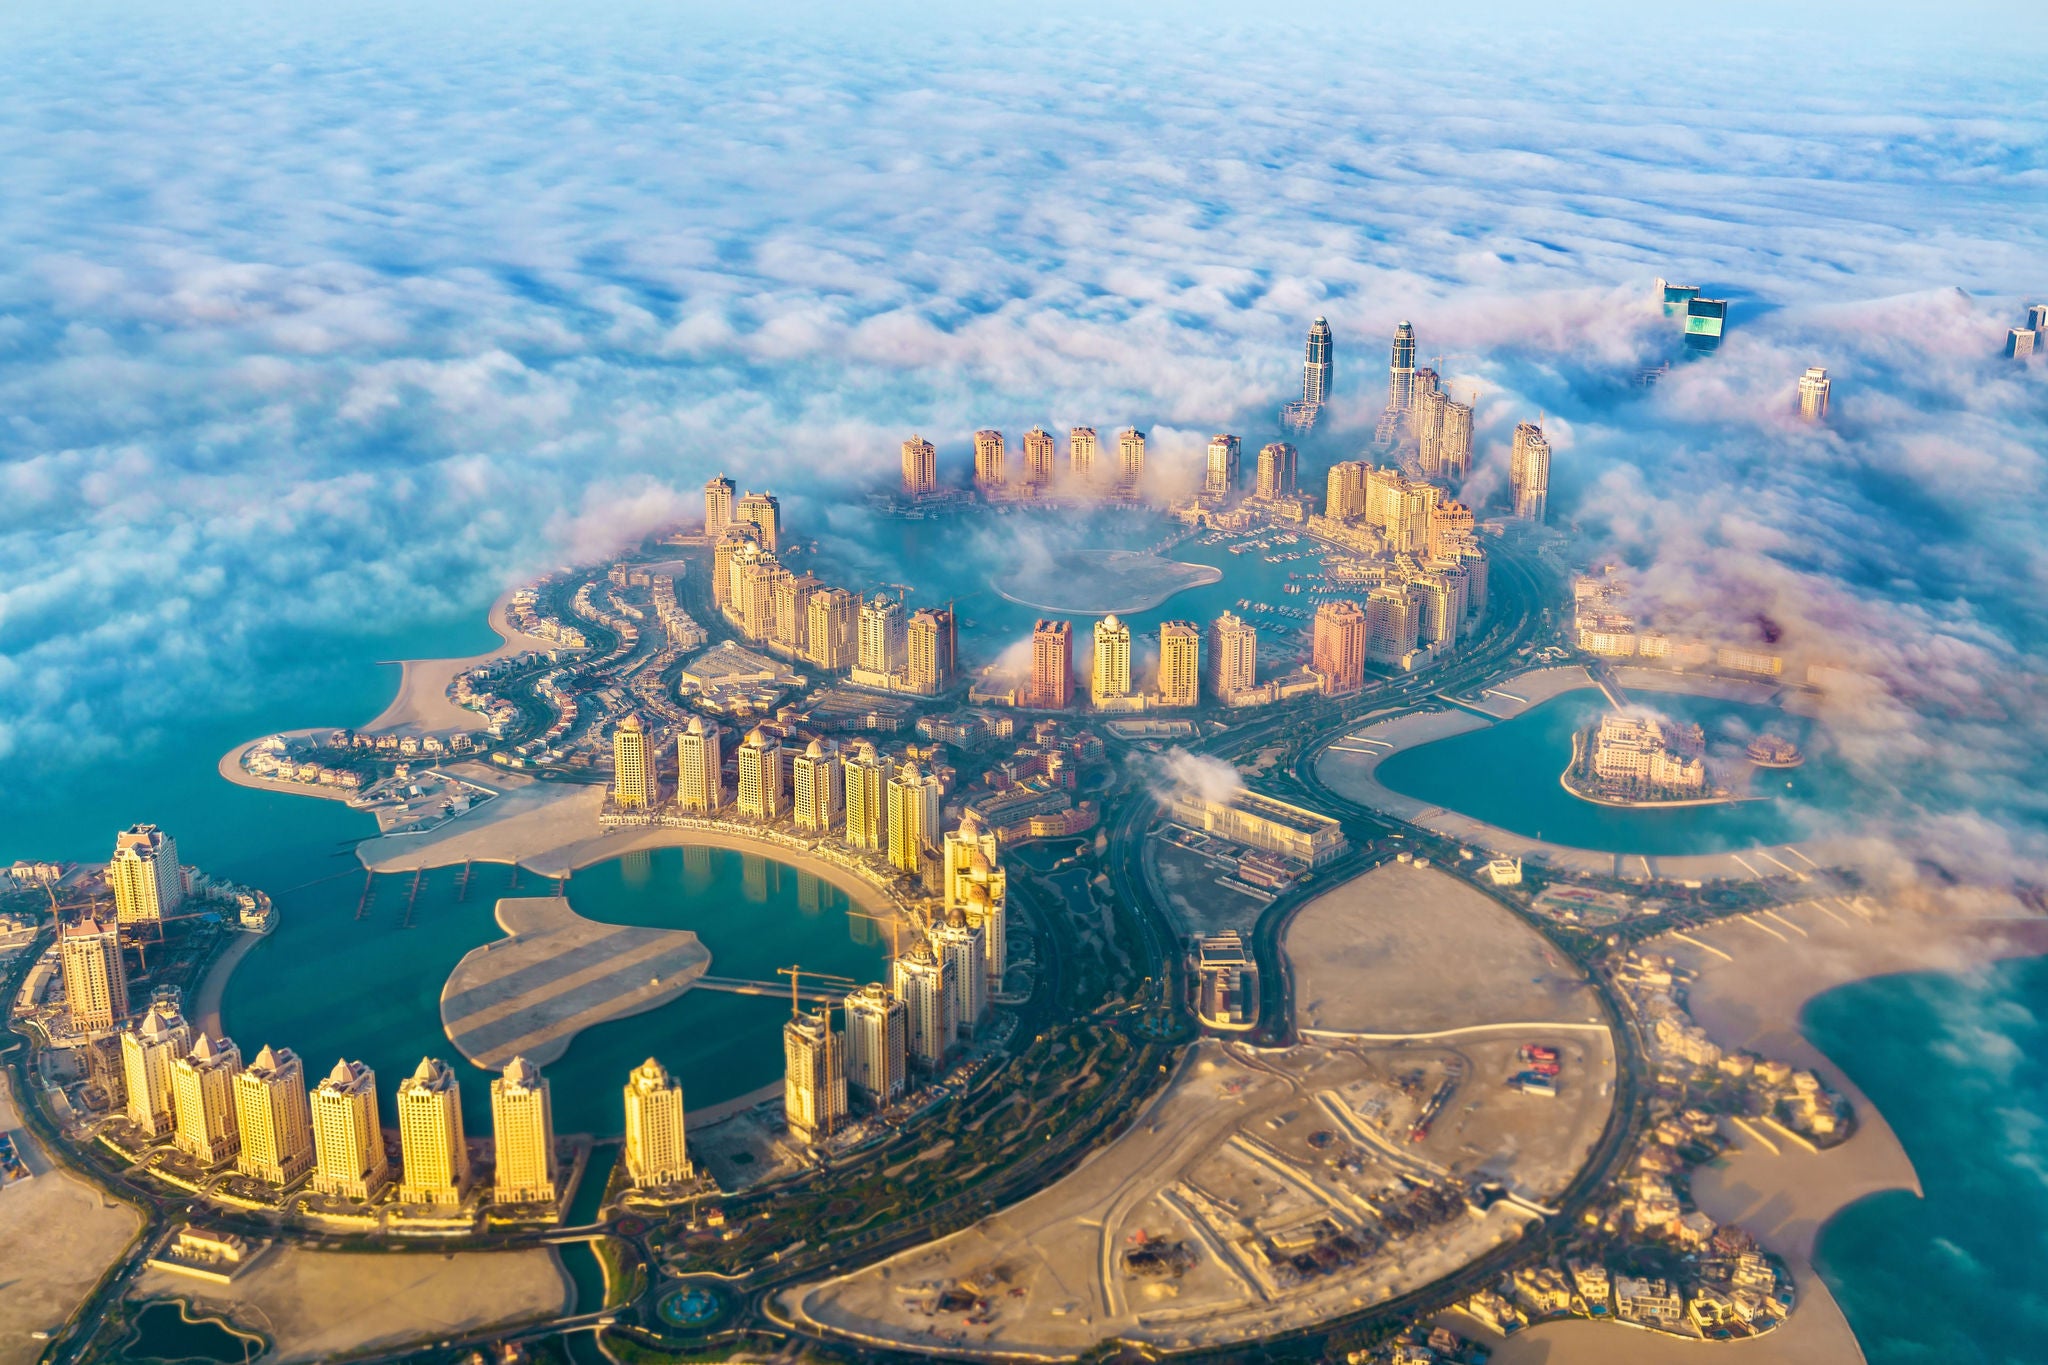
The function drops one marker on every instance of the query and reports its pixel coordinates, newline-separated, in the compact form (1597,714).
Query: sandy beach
(1755,977)
(551,828)
(422,706)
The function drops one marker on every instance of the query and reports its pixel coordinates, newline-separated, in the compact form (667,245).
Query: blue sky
(306,312)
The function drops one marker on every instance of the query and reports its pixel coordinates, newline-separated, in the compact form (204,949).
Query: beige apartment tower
(95,981)
(1344,498)
(433,1155)
(718,505)
(1052,665)
(920,467)
(830,637)
(275,1120)
(813,1077)
(875,1047)
(149,1049)
(1340,647)
(1130,460)
(1393,622)
(929,649)
(655,1154)
(867,798)
(1039,454)
(883,635)
(1082,454)
(523,1136)
(1529,471)
(1813,394)
(1110,680)
(348,1141)
(929,1029)
(700,780)
(633,786)
(1277,473)
(963,949)
(819,788)
(1454,440)
(793,593)
(1180,664)
(144,874)
(760,776)
(1233,655)
(203,1086)
(1221,473)
(913,816)
(765,513)
(989,461)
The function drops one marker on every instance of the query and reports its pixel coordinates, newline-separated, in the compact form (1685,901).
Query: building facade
(274,1118)
(700,778)
(920,467)
(348,1141)
(1052,665)
(1110,679)
(145,877)
(760,776)
(929,1027)
(523,1136)
(656,1156)
(95,981)
(203,1089)
(819,788)
(1220,478)
(1180,664)
(718,505)
(1339,650)
(149,1049)
(433,1150)
(1233,656)
(633,782)
(813,1077)
(875,1045)
(1529,472)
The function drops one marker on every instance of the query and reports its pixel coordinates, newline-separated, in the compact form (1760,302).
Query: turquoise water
(1507,775)
(956,556)
(1958,1065)
(328,984)
(581,1262)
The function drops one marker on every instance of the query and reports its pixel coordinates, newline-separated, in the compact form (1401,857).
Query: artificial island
(885,981)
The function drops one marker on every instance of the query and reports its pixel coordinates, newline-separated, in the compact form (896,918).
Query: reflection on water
(1507,775)
(329,984)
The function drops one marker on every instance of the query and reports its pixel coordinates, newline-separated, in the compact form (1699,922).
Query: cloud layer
(308,315)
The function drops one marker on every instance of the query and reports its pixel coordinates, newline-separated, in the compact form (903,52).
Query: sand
(316,1305)
(422,706)
(1815,1334)
(1409,950)
(551,828)
(1510,697)
(58,1235)
(556,974)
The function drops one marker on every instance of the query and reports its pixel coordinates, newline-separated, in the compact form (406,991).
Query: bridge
(739,986)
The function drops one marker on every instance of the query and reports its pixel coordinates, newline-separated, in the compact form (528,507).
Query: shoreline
(421,704)
(1359,753)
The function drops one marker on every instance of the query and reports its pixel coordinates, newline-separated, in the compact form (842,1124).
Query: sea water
(1958,1066)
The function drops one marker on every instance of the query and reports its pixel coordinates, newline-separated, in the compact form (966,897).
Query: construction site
(1271,1189)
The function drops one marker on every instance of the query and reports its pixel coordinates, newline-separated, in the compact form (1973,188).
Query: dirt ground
(57,1236)
(320,1304)
(1265,1190)
(1406,949)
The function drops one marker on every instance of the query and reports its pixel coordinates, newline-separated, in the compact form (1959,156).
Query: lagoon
(1507,775)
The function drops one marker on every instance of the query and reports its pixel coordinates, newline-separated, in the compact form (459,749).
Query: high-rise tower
(989,461)
(149,1049)
(883,635)
(913,816)
(819,788)
(1340,646)
(1225,454)
(876,1022)
(1052,664)
(1529,471)
(1278,464)
(274,1117)
(1180,664)
(1038,459)
(434,1155)
(1130,461)
(1081,455)
(1813,394)
(700,784)
(764,511)
(1233,655)
(718,500)
(95,982)
(144,874)
(920,467)
(522,1136)
(203,1088)
(1111,678)
(929,646)
(760,775)
(1316,373)
(867,798)
(632,766)
(655,1152)
(929,1027)
(348,1142)
(813,1076)
(1401,369)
